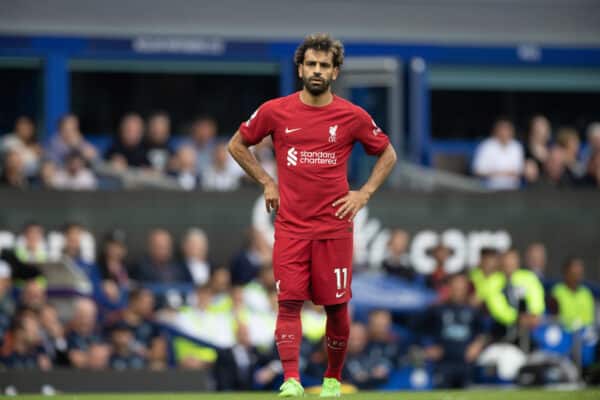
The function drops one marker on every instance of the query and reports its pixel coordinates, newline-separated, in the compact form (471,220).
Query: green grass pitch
(497,394)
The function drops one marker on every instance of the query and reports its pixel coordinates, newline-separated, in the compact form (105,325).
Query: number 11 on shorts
(338,276)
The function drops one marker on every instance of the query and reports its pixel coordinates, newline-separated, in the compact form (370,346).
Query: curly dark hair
(320,41)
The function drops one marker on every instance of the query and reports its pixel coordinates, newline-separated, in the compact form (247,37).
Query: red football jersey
(312,148)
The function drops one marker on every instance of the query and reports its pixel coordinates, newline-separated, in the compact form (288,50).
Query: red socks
(337,333)
(288,336)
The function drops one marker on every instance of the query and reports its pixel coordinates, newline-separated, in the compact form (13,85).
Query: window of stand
(101,96)
(21,95)
(466,100)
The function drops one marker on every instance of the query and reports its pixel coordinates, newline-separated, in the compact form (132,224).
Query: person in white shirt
(75,175)
(23,140)
(499,159)
(185,168)
(221,175)
(203,137)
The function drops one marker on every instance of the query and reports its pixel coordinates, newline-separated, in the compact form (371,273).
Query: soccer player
(313,132)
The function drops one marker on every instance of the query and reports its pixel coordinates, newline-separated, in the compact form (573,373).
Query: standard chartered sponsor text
(318,157)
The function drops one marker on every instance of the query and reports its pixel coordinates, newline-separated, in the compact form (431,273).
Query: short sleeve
(366,131)
(258,125)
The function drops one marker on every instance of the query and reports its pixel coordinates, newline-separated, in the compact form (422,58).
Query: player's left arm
(352,202)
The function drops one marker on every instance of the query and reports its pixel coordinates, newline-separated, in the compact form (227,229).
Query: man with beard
(313,133)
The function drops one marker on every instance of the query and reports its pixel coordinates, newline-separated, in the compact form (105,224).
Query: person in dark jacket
(455,330)
(128,150)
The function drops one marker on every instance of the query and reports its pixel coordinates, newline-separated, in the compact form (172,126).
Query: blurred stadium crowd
(544,159)
(68,161)
(200,160)
(146,314)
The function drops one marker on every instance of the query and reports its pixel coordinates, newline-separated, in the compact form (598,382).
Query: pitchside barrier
(73,381)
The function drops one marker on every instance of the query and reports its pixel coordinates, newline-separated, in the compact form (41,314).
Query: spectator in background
(438,278)
(46,178)
(575,301)
(593,142)
(516,300)
(269,368)
(139,317)
(202,299)
(87,350)
(73,234)
(483,276)
(31,248)
(535,259)
(114,270)
(112,259)
(124,354)
(499,159)
(537,150)
(128,150)
(158,149)
(33,295)
(592,177)
(68,139)
(53,336)
(221,175)
(75,175)
(554,173)
(184,168)
(538,140)
(383,349)
(159,265)
(456,331)
(234,368)
(190,355)
(195,256)
(23,140)
(568,140)
(26,351)
(220,286)
(13,171)
(397,259)
(255,255)
(203,138)
(358,368)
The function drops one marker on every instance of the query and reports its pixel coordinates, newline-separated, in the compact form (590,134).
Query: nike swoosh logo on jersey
(291,130)
(338,295)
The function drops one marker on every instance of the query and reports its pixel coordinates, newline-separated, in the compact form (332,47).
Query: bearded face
(317,71)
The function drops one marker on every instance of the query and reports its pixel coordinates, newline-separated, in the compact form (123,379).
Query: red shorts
(317,270)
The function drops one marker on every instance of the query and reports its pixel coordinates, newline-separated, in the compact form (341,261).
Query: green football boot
(291,388)
(331,388)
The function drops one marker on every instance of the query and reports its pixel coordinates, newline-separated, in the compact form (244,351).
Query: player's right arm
(239,150)
(256,128)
